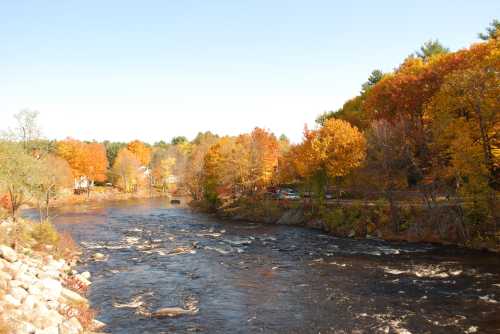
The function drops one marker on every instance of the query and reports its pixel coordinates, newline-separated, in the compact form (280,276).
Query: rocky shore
(40,294)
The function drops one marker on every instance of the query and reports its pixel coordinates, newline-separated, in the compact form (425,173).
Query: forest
(415,156)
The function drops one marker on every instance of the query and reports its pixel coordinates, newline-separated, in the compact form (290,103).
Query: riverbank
(99,194)
(40,291)
(359,219)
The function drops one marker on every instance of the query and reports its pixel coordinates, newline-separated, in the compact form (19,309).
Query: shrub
(45,234)
(76,285)
(81,311)
(66,246)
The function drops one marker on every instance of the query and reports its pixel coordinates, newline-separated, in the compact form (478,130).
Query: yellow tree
(212,175)
(126,170)
(339,147)
(264,152)
(193,173)
(330,152)
(141,151)
(162,169)
(465,122)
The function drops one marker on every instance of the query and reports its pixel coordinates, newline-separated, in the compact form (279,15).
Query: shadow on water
(253,278)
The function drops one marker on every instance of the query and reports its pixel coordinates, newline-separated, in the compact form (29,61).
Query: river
(244,277)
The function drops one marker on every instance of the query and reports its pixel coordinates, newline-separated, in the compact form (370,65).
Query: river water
(241,277)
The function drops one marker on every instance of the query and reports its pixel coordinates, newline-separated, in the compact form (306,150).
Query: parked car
(288,194)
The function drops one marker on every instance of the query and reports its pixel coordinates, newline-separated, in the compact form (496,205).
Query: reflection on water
(252,278)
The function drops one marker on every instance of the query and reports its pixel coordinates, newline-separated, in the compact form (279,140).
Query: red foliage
(76,285)
(5,202)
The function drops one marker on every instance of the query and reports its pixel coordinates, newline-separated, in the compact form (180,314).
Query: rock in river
(99,257)
(173,312)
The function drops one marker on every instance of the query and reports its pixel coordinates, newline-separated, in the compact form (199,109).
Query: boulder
(40,310)
(5,276)
(18,293)
(84,281)
(4,263)
(73,296)
(57,265)
(49,330)
(8,253)
(85,275)
(15,283)
(48,274)
(26,278)
(18,267)
(71,326)
(35,290)
(51,289)
(53,304)
(96,325)
(98,257)
(25,328)
(9,299)
(4,285)
(30,302)
(49,320)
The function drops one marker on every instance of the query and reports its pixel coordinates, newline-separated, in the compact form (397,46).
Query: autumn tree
(162,166)
(402,96)
(388,159)
(339,147)
(211,176)
(300,163)
(226,168)
(465,126)
(85,159)
(141,151)
(126,170)
(19,175)
(53,175)
(193,172)
(325,154)
(263,149)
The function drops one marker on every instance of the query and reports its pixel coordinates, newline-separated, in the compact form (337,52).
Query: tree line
(428,129)
(34,170)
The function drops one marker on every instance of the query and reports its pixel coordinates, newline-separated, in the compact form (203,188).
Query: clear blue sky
(121,70)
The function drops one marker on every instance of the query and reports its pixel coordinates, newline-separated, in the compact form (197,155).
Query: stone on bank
(32,295)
